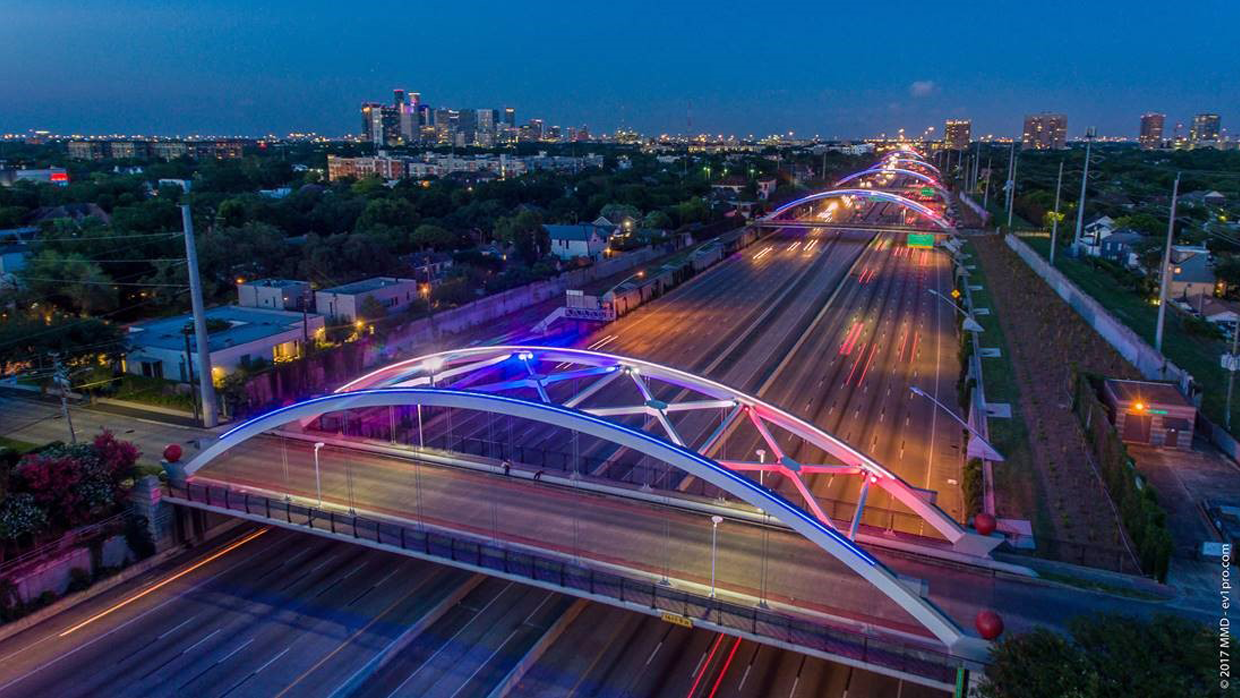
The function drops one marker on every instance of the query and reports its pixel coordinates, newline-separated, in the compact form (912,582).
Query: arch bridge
(643,406)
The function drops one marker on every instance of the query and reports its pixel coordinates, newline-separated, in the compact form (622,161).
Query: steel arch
(868,194)
(824,536)
(879,169)
(915,161)
(464,364)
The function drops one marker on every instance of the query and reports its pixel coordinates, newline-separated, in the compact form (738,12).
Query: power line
(92,238)
(79,282)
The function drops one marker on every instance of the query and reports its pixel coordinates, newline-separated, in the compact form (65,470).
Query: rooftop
(275,283)
(368,285)
(245,325)
(1148,392)
(577,232)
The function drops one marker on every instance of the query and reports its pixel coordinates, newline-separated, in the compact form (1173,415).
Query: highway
(268,612)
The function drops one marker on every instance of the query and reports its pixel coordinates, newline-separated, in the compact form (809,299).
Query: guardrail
(582,580)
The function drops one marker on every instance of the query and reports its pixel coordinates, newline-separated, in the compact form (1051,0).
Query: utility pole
(210,412)
(1231,373)
(1055,220)
(1080,211)
(1166,268)
(986,194)
(977,161)
(1011,183)
(62,381)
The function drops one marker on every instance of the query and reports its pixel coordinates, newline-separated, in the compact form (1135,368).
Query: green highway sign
(927,191)
(921,240)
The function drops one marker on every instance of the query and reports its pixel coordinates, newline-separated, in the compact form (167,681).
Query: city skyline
(557,68)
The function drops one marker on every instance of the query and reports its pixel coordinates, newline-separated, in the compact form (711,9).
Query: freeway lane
(273,610)
(644,656)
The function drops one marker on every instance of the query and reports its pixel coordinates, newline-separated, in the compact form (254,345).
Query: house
(13,257)
(1192,274)
(584,240)
(1223,314)
(1121,247)
(236,337)
(766,187)
(345,301)
(184,184)
(1094,232)
(277,294)
(74,212)
(730,186)
(1214,198)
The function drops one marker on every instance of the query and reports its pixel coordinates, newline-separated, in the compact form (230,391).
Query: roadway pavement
(269,612)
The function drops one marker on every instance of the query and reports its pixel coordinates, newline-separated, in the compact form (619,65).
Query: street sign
(677,619)
(921,240)
(1229,362)
(927,191)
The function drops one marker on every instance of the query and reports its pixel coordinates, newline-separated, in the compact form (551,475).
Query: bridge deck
(778,624)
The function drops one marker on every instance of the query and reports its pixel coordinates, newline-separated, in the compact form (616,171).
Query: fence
(581,579)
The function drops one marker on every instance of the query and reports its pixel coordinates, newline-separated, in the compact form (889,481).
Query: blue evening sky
(847,70)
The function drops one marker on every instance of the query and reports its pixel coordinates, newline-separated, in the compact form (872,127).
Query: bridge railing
(582,579)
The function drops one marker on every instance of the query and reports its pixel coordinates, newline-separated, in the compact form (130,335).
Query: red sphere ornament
(984,523)
(172,453)
(989,624)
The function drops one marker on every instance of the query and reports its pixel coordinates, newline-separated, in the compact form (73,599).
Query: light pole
(1055,220)
(970,324)
(318,482)
(761,460)
(714,538)
(992,455)
(1080,211)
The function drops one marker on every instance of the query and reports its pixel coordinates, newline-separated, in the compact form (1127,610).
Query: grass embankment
(1194,352)
(1014,476)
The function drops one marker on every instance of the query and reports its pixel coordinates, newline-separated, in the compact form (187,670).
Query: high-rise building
(484,134)
(510,117)
(1206,129)
(1151,130)
(957,133)
(408,117)
(1045,131)
(370,115)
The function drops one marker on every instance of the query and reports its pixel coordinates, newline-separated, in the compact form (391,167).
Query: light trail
(705,664)
(724,671)
(231,547)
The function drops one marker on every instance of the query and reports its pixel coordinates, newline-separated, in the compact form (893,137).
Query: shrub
(972,487)
(79,579)
(138,536)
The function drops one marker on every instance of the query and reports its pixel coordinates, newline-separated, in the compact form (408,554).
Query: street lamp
(761,460)
(991,453)
(318,482)
(970,324)
(714,538)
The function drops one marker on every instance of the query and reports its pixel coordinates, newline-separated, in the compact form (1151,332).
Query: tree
(71,281)
(371,309)
(525,232)
(1103,656)
(658,220)
(389,211)
(616,213)
(432,236)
